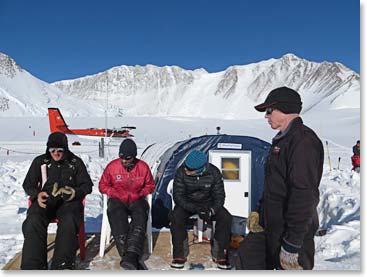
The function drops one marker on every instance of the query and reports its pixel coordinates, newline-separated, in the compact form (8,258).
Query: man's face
(126,162)
(189,172)
(276,118)
(57,153)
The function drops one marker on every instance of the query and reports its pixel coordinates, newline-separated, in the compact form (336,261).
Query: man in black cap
(56,183)
(127,181)
(285,222)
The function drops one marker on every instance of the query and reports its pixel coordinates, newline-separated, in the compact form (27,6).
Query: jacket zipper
(128,187)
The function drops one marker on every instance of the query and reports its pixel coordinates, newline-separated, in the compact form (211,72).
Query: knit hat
(283,99)
(57,140)
(196,160)
(128,149)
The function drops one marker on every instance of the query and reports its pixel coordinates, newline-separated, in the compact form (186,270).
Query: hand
(289,261)
(253,223)
(67,193)
(204,213)
(42,199)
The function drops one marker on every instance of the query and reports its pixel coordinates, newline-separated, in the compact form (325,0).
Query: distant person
(356,157)
(283,227)
(68,182)
(127,181)
(356,148)
(198,189)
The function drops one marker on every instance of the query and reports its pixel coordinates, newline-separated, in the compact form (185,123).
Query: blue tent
(173,157)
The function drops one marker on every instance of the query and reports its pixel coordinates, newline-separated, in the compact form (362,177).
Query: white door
(235,166)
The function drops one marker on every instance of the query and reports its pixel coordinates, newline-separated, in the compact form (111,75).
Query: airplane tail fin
(57,122)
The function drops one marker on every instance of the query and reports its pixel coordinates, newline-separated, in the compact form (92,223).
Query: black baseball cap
(284,99)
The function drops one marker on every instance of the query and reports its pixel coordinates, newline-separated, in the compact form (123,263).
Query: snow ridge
(173,91)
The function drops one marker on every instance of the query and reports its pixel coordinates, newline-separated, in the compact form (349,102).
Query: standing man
(283,227)
(357,148)
(68,182)
(198,189)
(127,181)
(356,158)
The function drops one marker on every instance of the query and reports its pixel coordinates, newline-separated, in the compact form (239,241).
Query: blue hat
(196,160)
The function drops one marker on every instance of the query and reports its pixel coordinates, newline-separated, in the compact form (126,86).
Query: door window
(231,168)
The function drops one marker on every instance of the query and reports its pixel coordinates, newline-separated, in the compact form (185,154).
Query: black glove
(205,213)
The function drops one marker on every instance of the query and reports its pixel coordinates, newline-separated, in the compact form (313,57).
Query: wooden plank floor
(199,257)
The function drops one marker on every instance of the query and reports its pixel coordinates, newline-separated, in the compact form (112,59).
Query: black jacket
(70,171)
(356,150)
(193,192)
(293,171)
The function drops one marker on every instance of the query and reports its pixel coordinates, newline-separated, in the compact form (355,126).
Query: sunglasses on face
(128,158)
(269,110)
(58,150)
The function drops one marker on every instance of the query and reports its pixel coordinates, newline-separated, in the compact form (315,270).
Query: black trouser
(260,252)
(222,234)
(128,237)
(34,253)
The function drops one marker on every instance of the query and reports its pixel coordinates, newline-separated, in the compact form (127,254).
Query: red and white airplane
(58,124)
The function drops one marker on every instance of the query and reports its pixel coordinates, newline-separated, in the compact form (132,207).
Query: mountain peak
(290,56)
(8,66)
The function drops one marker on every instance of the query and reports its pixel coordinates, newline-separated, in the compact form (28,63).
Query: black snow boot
(219,255)
(130,261)
(178,263)
(121,245)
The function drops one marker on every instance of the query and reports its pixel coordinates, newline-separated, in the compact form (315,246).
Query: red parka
(356,161)
(118,183)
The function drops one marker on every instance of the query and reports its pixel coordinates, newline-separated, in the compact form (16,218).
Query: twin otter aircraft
(57,124)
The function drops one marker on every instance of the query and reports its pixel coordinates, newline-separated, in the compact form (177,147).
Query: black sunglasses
(269,110)
(126,157)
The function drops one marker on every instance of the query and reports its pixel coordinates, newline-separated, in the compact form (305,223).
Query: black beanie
(57,140)
(128,149)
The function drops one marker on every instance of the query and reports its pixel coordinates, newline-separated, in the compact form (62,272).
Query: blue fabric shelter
(172,158)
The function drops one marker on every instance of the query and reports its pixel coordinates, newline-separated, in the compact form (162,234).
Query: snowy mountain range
(173,91)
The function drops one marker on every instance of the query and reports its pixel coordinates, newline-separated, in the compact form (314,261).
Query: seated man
(198,189)
(127,181)
(68,182)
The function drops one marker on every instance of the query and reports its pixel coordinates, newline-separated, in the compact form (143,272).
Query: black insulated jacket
(293,170)
(70,171)
(193,192)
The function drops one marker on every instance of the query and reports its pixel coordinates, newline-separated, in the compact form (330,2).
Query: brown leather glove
(253,223)
(55,189)
(67,193)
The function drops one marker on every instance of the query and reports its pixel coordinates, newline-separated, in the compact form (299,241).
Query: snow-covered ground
(339,207)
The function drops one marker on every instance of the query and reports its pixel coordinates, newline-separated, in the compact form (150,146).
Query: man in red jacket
(127,181)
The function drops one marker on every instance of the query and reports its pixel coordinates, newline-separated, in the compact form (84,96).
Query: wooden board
(199,257)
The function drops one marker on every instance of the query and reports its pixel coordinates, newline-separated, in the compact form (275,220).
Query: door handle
(246,194)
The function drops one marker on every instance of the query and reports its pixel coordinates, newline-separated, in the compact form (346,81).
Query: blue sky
(56,40)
